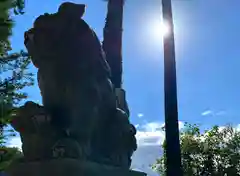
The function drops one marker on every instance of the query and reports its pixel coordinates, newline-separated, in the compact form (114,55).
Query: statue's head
(71,63)
(72,10)
(64,41)
(65,37)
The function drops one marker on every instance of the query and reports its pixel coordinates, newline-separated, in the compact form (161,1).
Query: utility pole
(173,151)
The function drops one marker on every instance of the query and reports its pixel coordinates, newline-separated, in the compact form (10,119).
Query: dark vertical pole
(112,43)
(173,152)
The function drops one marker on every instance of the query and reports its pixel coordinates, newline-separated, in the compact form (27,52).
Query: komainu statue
(79,118)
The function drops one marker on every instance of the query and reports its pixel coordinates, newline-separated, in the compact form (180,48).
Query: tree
(7,155)
(13,78)
(215,152)
(6,23)
(13,66)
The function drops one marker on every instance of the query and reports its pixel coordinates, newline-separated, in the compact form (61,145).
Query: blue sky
(207,54)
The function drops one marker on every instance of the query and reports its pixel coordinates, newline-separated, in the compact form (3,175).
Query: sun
(160,29)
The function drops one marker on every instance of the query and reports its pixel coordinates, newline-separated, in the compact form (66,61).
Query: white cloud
(238,127)
(213,113)
(140,115)
(137,125)
(220,113)
(208,112)
(152,126)
(152,133)
(144,157)
(15,142)
(150,137)
(180,125)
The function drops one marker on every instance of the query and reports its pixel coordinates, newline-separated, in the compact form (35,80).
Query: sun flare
(160,29)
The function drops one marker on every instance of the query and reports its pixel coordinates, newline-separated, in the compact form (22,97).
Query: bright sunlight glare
(160,29)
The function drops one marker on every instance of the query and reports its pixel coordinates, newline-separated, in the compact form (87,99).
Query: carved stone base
(67,167)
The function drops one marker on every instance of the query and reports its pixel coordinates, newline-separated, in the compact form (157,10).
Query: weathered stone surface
(73,75)
(82,117)
(68,167)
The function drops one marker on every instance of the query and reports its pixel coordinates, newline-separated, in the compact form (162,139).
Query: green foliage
(13,78)
(13,66)
(7,156)
(215,152)
(6,22)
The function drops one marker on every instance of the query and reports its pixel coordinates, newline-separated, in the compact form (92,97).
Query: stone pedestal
(67,167)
